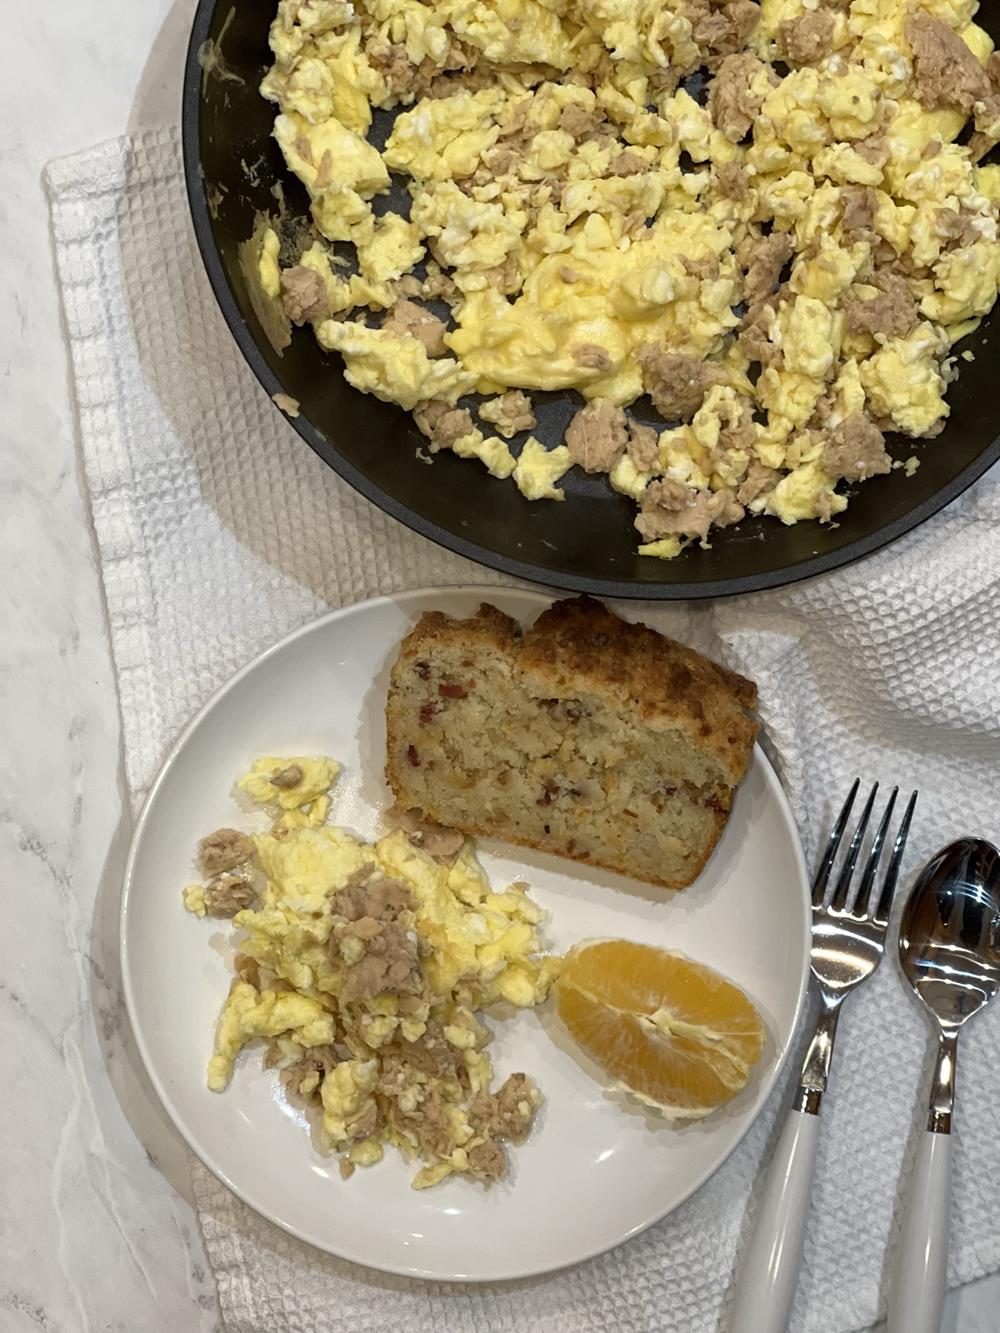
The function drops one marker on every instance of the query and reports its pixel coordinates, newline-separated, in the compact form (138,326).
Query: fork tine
(833,846)
(839,899)
(861,903)
(892,874)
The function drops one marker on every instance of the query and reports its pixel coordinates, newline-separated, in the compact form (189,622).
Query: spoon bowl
(949,952)
(949,937)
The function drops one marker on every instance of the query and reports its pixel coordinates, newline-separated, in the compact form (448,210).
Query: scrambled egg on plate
(779,266)
(366,968)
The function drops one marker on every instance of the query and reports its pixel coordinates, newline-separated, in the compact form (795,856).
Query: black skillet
(587,543)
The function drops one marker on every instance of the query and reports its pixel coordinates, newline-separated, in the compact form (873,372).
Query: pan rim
(326,448)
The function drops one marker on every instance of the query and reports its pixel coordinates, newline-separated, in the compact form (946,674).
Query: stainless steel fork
(848,941)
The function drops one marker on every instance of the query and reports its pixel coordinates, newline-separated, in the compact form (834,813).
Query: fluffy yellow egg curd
(366,969)
(741,238)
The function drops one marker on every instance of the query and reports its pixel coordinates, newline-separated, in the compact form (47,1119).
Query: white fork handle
(920,1272)
(771,1262)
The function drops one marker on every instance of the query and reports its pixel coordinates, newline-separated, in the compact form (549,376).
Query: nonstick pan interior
(588,542)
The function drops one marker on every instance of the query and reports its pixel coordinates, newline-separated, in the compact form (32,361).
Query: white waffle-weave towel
(888,669)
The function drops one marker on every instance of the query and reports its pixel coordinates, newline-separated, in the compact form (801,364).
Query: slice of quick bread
(585,736)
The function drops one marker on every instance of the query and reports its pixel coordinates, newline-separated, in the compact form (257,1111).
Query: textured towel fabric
(219,531)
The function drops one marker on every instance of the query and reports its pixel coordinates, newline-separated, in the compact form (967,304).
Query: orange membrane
(672,1031)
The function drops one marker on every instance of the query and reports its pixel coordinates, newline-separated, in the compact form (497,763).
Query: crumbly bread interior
(586,737)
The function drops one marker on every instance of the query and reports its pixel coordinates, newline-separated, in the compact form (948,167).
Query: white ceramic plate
(322,690)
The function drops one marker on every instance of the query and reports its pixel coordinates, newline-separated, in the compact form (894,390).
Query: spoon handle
(920,1273)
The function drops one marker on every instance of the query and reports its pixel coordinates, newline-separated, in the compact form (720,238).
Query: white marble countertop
(96,1223)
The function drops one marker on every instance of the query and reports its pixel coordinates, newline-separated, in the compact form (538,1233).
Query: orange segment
(673,1031)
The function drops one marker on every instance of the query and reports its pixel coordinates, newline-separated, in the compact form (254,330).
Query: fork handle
(771,1262)
(920,1273)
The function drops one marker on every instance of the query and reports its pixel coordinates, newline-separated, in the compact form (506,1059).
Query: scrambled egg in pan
(365,968)
(772,221)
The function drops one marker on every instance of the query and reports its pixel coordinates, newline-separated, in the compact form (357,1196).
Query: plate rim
(326,448)
(138,833)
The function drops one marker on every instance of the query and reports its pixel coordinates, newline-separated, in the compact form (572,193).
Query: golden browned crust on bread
(582,636)
(581,644)
(488,626)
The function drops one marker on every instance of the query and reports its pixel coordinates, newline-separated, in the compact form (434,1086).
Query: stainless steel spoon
(949,950)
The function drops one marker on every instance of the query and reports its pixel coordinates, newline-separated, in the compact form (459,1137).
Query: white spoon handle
(920,1273)
(770,1266)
